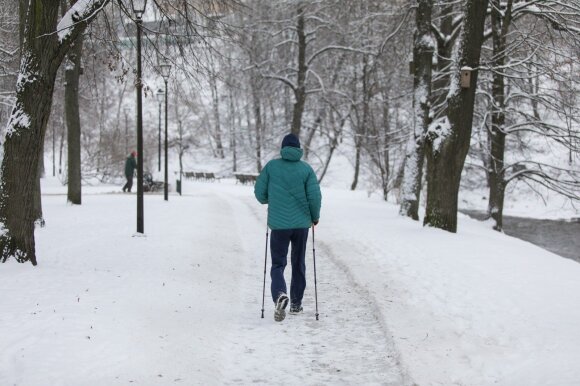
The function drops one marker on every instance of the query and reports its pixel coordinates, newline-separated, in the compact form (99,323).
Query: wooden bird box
(466,77)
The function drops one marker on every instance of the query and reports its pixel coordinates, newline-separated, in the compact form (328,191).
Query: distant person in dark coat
(130,166)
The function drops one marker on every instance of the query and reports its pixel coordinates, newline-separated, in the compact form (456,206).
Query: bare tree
(524,71)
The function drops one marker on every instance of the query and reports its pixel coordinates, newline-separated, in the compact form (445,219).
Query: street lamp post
(126,111)
(160,98)
(165,70)
(139,8)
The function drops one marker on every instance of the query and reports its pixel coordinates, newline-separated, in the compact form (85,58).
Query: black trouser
(129,183)
(279,243)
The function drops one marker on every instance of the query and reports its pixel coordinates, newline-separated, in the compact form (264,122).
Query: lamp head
(159,95)
(138,7)
(165,70)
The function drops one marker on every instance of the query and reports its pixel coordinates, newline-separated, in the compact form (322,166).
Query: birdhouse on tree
(466,76)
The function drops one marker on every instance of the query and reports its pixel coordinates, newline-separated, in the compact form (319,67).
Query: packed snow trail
(181,305)
(348,345)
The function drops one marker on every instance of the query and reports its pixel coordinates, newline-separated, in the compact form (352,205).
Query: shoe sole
(280,313)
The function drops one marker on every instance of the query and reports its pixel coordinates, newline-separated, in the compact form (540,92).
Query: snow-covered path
(348,345)
(399,304)
(180,306)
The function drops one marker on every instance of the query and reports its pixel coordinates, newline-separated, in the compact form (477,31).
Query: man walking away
(291,190)
(130,166)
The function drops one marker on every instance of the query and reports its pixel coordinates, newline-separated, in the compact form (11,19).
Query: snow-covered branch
(282,79)
(341,48)
(77,18)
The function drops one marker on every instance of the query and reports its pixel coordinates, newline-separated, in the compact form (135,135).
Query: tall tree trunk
(360,130)
(422,57)
(257,124)
(216,114)
(444,47)
(358,148)
(448,138)
(233,132)
(54,151)
(500,22)
(300,91)
(385,175)
(181,152)
(42,52)
(25,136)
(22,10)
(307,143)
(38,217)
(73,121)
(61,146)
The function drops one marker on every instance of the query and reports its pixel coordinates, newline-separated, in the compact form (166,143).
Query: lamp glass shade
(139,7)
(159,95)
(165,70)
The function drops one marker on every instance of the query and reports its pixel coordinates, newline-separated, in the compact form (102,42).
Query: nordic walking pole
(314,259)
(265,262)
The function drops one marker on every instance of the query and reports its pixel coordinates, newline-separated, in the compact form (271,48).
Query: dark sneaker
(295,309)
(281,304)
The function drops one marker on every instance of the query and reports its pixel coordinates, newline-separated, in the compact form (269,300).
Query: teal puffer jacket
(290,188)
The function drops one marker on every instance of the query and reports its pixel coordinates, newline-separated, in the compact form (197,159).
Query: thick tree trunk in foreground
(42,52)
(424,47)
(73,122)
(448,138)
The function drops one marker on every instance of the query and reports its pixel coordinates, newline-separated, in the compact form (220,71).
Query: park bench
(245,178)
(200,176)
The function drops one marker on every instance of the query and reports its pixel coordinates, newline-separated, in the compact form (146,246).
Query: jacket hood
(290,153)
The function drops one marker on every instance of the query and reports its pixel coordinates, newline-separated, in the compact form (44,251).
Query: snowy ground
(399,304)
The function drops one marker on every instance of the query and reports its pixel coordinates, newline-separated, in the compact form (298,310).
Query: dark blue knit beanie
(291,140)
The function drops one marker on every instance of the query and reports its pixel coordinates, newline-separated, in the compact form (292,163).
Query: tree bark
(385,170)
(42,53)
(444,61)
(448,138)
(233,132)
(38,217)
(300,91)
(216,114)
(257,123)
(361,124)
(73,122)
(500,26)
(422,57)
